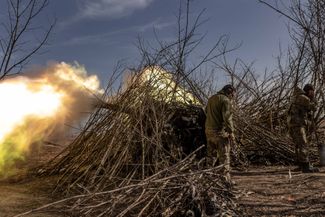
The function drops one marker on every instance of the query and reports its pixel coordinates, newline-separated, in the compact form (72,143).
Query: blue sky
(98,33)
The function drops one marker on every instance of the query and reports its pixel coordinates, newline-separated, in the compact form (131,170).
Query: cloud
(157,24)
(106,37)
(111,8)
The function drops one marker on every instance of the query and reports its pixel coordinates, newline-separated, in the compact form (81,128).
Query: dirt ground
(19,197)
(261,191)
(272,191)
(21,193)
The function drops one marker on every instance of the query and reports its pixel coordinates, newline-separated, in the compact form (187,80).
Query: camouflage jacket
(300,109)
(219,113)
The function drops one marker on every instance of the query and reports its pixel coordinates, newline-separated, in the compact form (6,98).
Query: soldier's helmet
(308,87)
(229,88)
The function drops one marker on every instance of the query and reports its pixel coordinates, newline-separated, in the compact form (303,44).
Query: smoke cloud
(39,105)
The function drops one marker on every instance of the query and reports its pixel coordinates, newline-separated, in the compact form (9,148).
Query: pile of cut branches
(130,155)
(132,135)
(259,145)
(179,190)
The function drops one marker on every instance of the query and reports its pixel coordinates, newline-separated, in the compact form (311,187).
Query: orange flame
(32,106)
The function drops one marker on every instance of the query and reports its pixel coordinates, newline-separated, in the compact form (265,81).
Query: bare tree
(307,55)
(21,37)
(264,101)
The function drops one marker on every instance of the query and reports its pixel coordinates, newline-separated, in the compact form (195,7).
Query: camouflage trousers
(299,137)
(218,149)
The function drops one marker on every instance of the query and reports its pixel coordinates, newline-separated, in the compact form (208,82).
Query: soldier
(299,119)
(219,127)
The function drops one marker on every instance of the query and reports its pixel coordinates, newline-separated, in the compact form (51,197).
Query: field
(260,191)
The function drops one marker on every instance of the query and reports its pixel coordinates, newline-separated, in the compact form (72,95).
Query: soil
(261,191)
(279,191)
(21,192)
(20,197)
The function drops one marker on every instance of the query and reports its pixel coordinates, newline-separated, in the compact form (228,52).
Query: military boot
(307,168)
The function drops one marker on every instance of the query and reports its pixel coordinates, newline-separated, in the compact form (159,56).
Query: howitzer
(100,104)
(185,124)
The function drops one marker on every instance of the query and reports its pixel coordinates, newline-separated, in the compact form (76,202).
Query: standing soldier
(299,119)
(219,127)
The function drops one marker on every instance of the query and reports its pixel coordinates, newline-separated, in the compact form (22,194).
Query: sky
(99,33)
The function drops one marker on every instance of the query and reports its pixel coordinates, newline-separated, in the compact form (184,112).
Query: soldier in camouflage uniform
(299,119)
(219,127)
